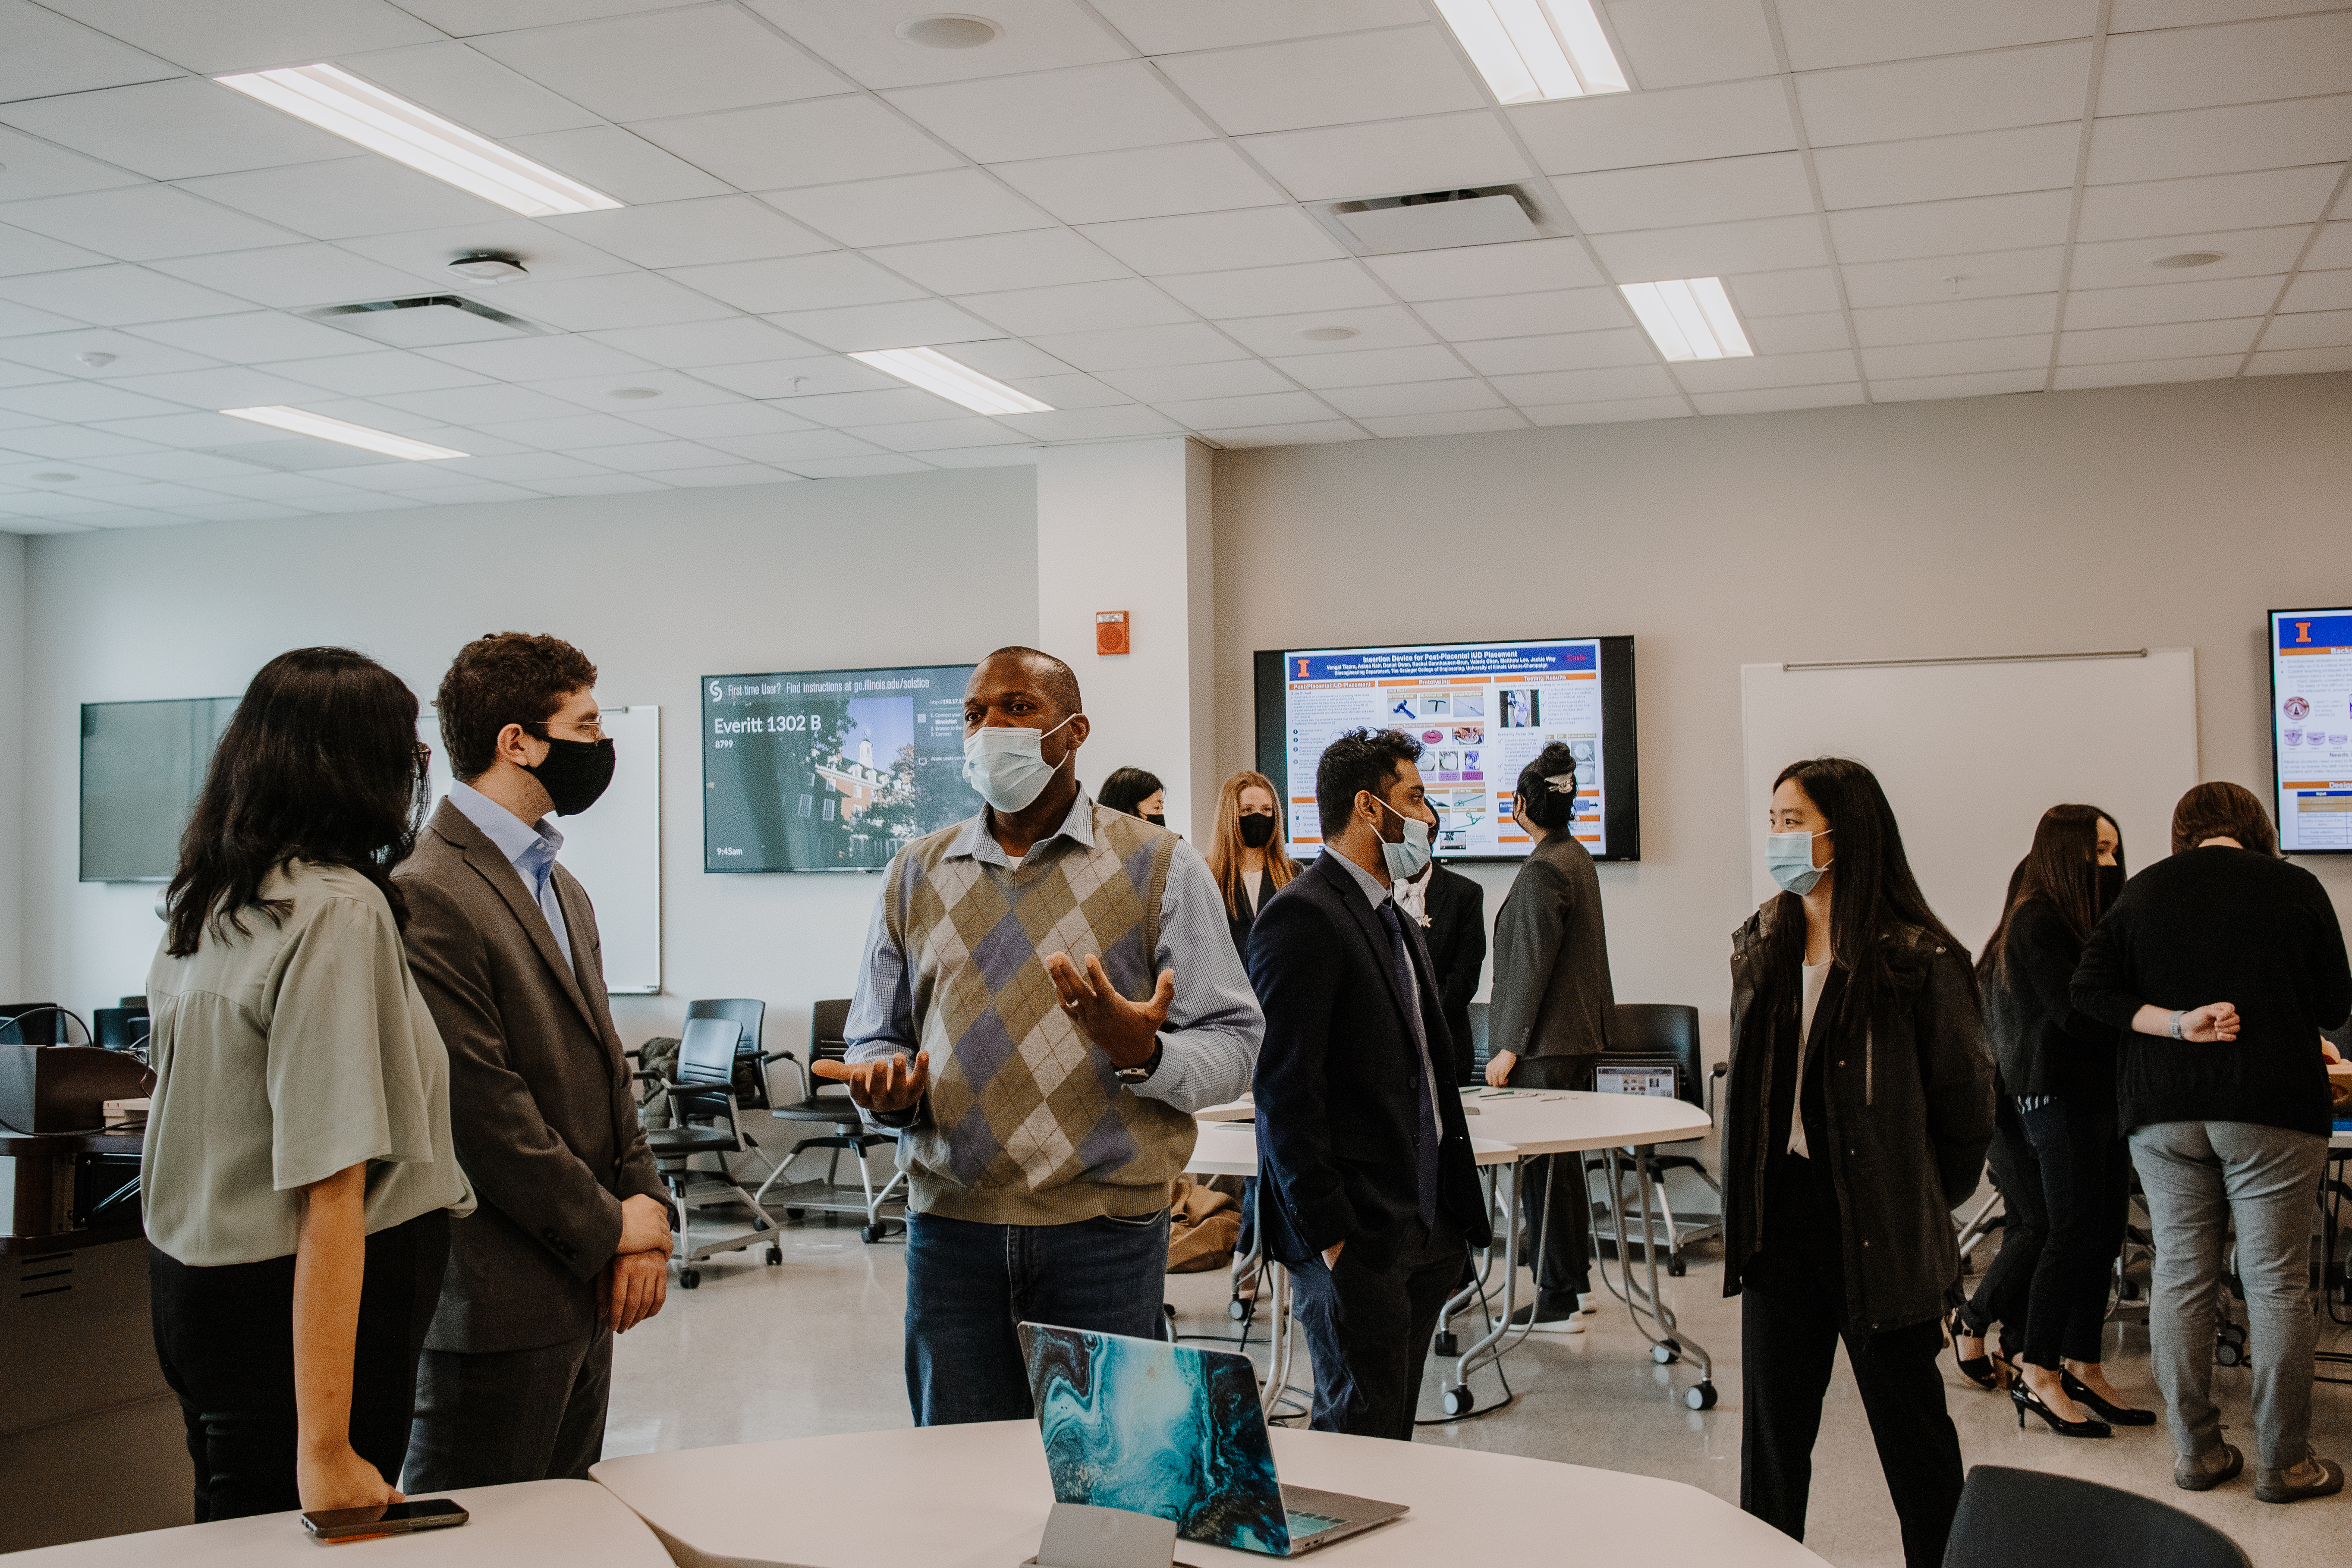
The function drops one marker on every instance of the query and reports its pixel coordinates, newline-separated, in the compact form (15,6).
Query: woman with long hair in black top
(1860,1105)
(2058,1072)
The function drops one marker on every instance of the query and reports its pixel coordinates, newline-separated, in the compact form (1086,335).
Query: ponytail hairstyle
(1546,790)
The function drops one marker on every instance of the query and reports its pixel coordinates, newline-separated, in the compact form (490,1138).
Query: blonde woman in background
(1245,852)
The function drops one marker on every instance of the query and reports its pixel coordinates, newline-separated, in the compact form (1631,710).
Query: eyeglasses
(591,732)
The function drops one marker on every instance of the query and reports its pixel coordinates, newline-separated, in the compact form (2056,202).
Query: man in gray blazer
(571,1240)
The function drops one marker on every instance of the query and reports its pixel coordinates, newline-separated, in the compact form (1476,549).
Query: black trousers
(487,1419)
(2087,1187)
(225,1336)
(2005,1293)
(1563,1230)
(1368,1329)
(1792,1316)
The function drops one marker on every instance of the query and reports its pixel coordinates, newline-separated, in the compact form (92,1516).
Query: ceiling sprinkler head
(2190,258)
(948,30)
(97,359)
(634,393)
(488,268)
(1327,334)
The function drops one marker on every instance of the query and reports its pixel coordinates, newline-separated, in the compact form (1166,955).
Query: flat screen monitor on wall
(143,765)
(1482,711)
(2311,729)
(830,770)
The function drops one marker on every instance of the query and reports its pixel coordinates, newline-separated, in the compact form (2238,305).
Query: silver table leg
(1669,1344)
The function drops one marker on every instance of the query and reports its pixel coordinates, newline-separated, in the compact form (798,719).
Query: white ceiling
(1907,199)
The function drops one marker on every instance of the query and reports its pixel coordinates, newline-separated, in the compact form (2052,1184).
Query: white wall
(657,589)
(11,766)
(2144,516)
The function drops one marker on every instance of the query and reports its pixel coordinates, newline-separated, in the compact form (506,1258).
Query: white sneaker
(1562,1323)
(1584,1303)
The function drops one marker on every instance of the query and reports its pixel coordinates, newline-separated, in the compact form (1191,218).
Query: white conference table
(576,1523)
(977,1497)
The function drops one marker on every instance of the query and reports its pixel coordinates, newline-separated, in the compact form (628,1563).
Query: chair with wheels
(702,1095)
(827,1104)
(2010,1517)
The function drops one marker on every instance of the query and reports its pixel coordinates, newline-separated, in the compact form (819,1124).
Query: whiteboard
(1972,754)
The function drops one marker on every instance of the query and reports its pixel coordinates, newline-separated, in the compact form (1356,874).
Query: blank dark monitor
(143,765)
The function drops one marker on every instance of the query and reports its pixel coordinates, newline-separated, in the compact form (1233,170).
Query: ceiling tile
(731,474)
(2245,253)
(193,467)
(1139,348)
(1777,401)
(2154,304)
(1387,326)
(251,35)
(1797,291)
(1800,334)
(1233,378)
(861,38)
(74,443)
(619,163)
(2310,330)
(2220,141)
(1714,190)
(1934,229)
(173,130)
(2295,58)
(1413,398)
(1076,308)
(2300,362)
(228,386)
(1562,351)
(545,252)
(673,390)
(1825,33)
(47,54)
(1586,385)
(715,419)
(1981,383)
(110,297)
(61,354)
(729,340)
(143,222)
(946,205)
(1159,28)
(1521,315)
(794,446)
(23,251)
(1705,250)
(941,435)
(373,374)
(1677,43)
(1976,275)
(691,61)
(347,198)
(1021,457)
(570,428)
(1523,267)
(691,233)
(1310,433)
(1093,424)
(464,85)
(488,406)
(291,276)
(1941,168)
(818,282)
(1011,359)
(19,319)
(2139,15)
(1375,367)
(902,402)
(540,359)
(1143,182)
(1764,370)
(1034,257)
(2145,373)
(2207,201)
(1335,80)
(525,468)
(1273,291)
(1204,242)
(2026,351)
(2109,345)
(621,299)
(914,324)
(792,378)
(2004,315)
(182,428)
(73,402)
(2329,290)
(1090,109)
(1265,409)
(821,142)
(30,168)
(1465,423)
(1391,157)
(1621,129)
(859,468)
(599,485)
(1944,96)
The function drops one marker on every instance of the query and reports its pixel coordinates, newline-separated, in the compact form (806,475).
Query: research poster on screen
(2311,728)
(1481,712)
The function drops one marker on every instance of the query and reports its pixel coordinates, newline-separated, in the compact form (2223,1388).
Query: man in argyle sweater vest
(1049,992)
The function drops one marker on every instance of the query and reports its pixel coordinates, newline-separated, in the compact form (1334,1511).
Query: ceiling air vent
(1435,220)
(428,321)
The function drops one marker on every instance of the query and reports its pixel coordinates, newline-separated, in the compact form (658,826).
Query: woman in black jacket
(1859,1106)
(2059,1068)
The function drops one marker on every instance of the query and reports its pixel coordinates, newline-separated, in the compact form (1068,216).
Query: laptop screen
(1157,1428)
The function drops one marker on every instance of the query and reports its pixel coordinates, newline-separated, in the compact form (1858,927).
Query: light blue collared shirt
(1208,1049)
(530,847)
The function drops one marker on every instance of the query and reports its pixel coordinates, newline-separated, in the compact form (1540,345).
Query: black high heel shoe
(2021,1395)
(1976,1369)
(2121,1414)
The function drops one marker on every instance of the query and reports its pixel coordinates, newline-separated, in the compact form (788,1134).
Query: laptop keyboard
(1303,1525)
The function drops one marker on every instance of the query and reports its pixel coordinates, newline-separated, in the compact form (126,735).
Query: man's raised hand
(889,1085)
(1121,1030)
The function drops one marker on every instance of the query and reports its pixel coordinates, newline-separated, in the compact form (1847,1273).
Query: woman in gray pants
(2221,965)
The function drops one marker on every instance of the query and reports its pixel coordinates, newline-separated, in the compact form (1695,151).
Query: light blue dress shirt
(530,847)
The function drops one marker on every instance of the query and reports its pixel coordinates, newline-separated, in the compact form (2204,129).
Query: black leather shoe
(2121,1414)
(2021,1395)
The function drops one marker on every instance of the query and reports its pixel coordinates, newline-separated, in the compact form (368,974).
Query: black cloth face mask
(1157,818)
(1258,829)
(2111,882)
(574,774)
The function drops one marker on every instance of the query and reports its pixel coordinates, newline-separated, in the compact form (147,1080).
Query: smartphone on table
(389,1519)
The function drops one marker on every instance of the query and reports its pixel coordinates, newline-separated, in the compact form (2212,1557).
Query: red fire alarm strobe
(1110,631)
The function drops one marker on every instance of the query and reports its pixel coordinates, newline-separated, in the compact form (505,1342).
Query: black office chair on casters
(825,1103)
(2009,1519)
(701,1096)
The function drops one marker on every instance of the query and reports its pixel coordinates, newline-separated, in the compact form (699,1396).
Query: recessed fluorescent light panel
(934,371)
(1688,318)
(339,101)
(1530,50)
(327,429)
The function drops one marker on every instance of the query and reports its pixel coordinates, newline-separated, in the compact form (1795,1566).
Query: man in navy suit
(1368,1195)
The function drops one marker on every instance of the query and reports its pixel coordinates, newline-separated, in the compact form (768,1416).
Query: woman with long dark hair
(2058,1067)
(298,1173)
(1860,1103)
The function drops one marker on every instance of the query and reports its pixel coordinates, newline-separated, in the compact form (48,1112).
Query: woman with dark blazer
(1245,852)
(1857,1117)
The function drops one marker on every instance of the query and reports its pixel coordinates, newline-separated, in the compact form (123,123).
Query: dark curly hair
(502,678)
(1358,761)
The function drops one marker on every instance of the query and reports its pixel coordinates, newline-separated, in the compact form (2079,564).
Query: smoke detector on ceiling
(2190,258)
(948,30)
(1434,220)
(428,321)
(487,266)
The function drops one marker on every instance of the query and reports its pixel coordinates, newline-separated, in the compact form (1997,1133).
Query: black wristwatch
(1137,1075)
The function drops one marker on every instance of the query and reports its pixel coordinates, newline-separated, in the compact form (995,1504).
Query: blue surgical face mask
(1405,861)
(1789,858)
(1007,766)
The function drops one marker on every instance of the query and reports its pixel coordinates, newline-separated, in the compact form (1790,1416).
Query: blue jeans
(969,1284)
